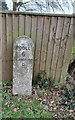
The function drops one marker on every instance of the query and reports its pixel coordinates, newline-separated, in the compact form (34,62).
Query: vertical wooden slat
(73,48)
(0,65)
(33,37)
(9,70)
(44,43)
(62,49)
(4,48)
(51,44)
(9,36)
(67,54)
(34,28)
(0,47)
(21,24)
(38,45)
(56,46)
(15,27)
(28,26)
(9,46)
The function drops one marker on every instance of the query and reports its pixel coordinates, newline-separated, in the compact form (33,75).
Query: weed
(68,98)
(42,80)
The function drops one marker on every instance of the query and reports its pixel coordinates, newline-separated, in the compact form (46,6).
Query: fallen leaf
(52,102)
(30,109)
(15,109)
(9,87)
(19,99)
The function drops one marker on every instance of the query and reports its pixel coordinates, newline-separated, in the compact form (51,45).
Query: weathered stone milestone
(23,48)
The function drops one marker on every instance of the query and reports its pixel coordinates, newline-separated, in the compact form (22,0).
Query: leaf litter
(57,100)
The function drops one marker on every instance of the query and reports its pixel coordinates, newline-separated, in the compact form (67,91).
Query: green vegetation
(42,80)
(45,102)
(73,49)
(68,98)
(19,107)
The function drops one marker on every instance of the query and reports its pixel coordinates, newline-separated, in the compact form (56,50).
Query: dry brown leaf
(19,99)
(9,87)
(15,109)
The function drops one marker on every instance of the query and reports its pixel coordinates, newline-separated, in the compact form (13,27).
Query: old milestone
(23,49)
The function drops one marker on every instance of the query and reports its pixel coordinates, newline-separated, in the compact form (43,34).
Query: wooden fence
(52,36)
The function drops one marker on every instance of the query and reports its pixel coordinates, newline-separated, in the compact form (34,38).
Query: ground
(45,102)
(71,73)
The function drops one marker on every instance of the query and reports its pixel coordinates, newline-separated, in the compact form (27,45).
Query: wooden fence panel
(56,46)
(67,54)
(52,37)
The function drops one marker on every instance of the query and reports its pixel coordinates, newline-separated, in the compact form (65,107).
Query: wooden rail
(34,13)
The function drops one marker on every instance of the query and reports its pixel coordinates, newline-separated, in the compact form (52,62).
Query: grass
(22,110)
(0,96)
(19,107)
